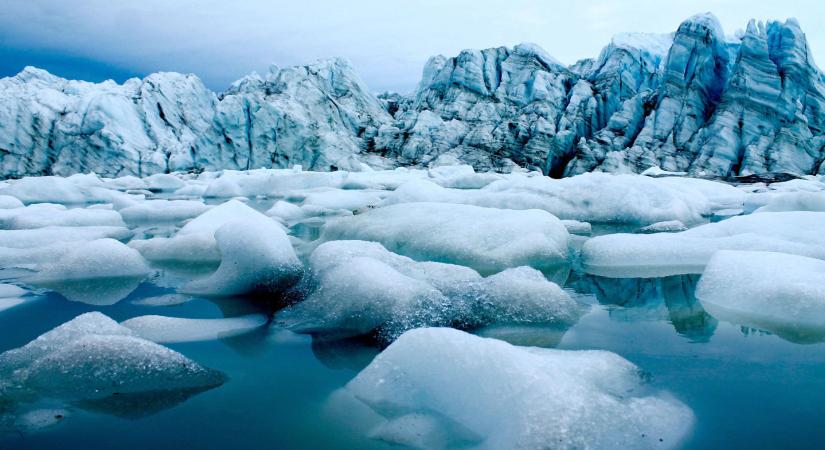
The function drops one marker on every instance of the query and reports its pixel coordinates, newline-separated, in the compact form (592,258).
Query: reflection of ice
(141,404)
(531,335)
(673,297)
(97,291)
(352,353)
(797,333)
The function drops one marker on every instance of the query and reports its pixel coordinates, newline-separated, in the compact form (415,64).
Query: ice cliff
(693,101)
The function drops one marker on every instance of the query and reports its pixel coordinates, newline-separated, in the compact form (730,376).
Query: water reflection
(98,291)
(141,404)
(673,297)
(351,353)
(750,322)
(528,335)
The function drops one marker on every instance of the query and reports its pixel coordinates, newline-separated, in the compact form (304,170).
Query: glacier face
(692,101)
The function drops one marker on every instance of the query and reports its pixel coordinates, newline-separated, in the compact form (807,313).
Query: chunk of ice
(442,388)
(486,239)
(777,292)
(664,254)
(256,256)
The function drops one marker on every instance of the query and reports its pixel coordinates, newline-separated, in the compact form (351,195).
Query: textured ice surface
(777,292)
(486,239)
(795,201)
(93,356)
(363,288)
(46,214)
(163,329)
(663,254)
(256,256)
(44,190)
(195,242)
(591,197)
(151,211)
(41,237)
(443,388)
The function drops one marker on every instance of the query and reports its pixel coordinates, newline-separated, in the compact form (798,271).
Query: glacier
(694,101)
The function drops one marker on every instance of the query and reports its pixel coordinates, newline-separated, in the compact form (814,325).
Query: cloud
(387,41)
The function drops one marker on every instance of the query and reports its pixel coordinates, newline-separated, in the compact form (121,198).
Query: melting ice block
(443,388)
(778,292)
(361,287)
(45,214)
(45,190)
(663,254)
(41,237)
(151,211)
(195,242)
(99,272)
(795,201)
(488,240)
(93,357)
(256,256)
(591,197)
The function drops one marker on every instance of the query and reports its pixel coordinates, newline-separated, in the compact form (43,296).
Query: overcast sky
(387,41)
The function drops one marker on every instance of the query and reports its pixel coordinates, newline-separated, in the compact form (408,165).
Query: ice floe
(256,257)
(486,239)
(662,254)
(777,292)
(93,357)
(443,388)
(99,272)
(363,288)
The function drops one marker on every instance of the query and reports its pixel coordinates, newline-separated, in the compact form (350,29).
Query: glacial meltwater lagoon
(298,310)
(746,387)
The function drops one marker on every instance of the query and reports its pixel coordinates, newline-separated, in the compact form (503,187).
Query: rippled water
(747,387)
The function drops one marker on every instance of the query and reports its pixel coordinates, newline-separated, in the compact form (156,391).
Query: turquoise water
(747,388)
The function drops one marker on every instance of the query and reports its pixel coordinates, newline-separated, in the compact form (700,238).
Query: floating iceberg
(195,242)
(593,197)
(256,257)
(93,357)
(443,388)
(486,239)
(663,254)
(795,201)
(41,215)
(363,288)
(100,272)
(41,237)
(153,211)
(777,292)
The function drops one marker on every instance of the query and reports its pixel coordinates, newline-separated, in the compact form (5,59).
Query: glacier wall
(694,100)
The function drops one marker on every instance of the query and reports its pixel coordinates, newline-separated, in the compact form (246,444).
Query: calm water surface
(747,388)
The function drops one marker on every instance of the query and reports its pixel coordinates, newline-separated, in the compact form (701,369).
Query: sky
(387,41)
